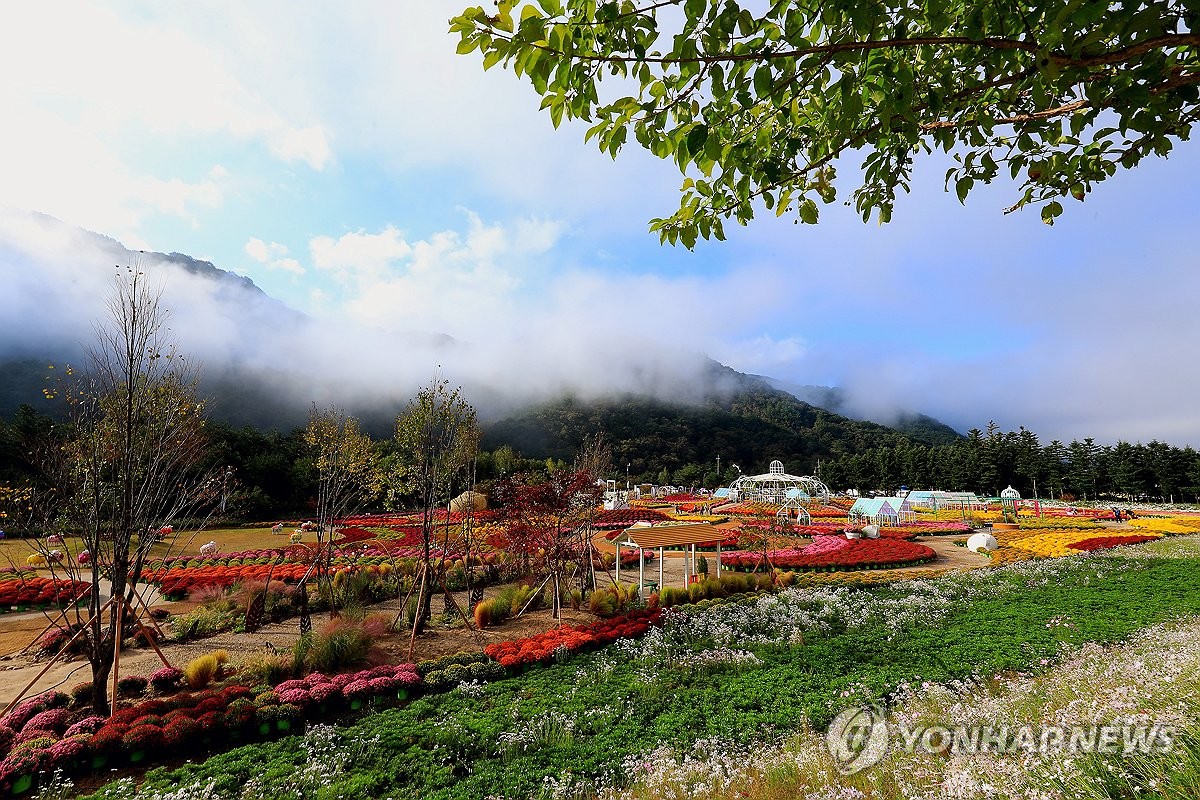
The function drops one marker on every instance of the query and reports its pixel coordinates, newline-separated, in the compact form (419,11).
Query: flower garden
(774,616)
(610,720)
(26,590)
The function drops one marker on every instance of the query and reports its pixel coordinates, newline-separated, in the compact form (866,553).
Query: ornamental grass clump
(612,600)
(267,669)
(81,694)
(339,645)
(202,671)
(507,603)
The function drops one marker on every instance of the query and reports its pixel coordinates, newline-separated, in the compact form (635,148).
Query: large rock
(469,501)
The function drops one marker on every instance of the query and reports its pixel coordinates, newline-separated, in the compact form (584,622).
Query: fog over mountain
(266,362)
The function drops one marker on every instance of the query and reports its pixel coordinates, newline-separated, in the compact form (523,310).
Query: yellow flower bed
(1008,537)
(1009,555)
(874,577)
(1168,525)
(1061,523)
(1058,543)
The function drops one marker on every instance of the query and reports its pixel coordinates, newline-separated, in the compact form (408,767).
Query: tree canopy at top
(756,102)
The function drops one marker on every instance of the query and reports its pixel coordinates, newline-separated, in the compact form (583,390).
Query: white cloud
(359,255)
(273,256)
(100,91)
(309,145)
(763,354)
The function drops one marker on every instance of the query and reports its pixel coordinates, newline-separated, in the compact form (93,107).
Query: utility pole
(718,470)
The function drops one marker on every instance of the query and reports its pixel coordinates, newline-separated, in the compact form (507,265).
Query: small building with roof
(671,534)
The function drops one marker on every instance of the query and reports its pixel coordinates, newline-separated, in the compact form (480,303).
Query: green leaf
(762,81)
(963,187)
(809,213)
(1050,211)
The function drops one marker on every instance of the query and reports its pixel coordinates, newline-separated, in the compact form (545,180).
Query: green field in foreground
(743,673)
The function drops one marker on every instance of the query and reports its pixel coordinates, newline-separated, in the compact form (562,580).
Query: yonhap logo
(860,737)
(857,738)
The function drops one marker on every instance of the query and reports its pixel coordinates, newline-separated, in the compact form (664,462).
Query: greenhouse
(935,501)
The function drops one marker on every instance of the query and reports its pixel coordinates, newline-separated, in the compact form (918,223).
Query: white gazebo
(659,537)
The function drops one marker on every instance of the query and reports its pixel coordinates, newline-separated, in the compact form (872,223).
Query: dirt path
(20,629)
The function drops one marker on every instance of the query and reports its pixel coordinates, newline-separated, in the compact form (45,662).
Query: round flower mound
(825,544)
(1105,542)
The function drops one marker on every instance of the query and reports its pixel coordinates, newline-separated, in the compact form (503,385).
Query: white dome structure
(777,487)
(982,541)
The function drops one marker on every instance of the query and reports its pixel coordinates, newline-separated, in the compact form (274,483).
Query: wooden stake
(112,702)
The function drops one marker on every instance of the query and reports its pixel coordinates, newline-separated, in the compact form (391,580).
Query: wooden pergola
(660,537)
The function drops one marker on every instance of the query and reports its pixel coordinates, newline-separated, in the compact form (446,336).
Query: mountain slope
(265,364)
(920,427)
(748,427)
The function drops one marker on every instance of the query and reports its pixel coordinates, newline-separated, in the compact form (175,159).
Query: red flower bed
(541,648)
(1105,542)
(624,517)
(354,534)
(629,558)
(856,554)
(825,511)
(38,591)
(440,517)
(402,535)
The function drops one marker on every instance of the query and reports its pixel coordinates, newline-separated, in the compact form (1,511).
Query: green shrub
(436,680)
(132,685)
(81,693)
(457,673)
(486,671)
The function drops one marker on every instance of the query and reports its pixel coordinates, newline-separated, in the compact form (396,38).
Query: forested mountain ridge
(679,443)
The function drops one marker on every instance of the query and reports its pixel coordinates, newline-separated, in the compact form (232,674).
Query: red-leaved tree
(548,523)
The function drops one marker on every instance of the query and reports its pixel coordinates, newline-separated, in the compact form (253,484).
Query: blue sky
(351,164)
